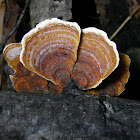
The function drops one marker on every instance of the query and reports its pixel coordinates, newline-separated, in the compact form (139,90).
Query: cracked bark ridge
(34,116)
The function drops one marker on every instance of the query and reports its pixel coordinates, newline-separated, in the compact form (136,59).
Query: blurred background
(22,15)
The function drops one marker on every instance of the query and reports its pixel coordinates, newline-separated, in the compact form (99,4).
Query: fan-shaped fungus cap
(50,50)
(115,83)
(23,79)
(97,58)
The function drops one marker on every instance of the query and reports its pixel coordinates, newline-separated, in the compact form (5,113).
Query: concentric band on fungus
(55,51)
(50,50)
(23,79)
(97,59)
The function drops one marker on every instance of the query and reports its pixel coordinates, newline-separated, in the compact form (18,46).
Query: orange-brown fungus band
(50,50)
(23,79)
(115,83)
(55,51)
(97,58)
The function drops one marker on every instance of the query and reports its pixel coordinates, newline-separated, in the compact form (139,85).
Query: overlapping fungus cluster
(56,52)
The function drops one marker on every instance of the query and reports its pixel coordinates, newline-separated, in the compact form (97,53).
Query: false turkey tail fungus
(115,83)
(55,51)
(23,79)
(97,58)
(50,50)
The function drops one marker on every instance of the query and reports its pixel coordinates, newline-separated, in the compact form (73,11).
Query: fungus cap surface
(97,58)
(50,50)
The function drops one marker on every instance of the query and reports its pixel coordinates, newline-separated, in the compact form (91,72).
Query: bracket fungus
(56,51)
(50,50)
(23,79)
(97,58)
(115,83)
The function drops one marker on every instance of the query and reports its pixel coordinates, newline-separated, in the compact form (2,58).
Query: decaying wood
(30,116)
(46,9)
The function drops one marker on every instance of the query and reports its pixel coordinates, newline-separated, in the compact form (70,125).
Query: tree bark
(68,115)
(46,9)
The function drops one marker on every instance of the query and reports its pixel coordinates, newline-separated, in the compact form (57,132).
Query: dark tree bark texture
(48,116)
